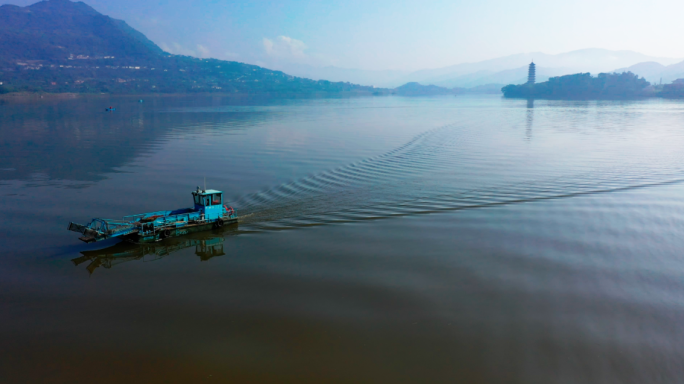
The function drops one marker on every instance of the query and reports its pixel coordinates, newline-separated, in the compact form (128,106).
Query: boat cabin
(209,202)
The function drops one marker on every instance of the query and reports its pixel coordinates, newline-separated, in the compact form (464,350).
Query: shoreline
(30,96)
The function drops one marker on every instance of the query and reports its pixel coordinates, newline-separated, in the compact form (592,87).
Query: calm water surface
(382,240)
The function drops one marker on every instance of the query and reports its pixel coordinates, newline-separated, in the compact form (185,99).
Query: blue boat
(208,212)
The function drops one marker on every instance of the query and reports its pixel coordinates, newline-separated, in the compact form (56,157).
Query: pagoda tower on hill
(532,73)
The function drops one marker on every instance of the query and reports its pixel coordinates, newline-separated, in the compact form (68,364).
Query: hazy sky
(383,34)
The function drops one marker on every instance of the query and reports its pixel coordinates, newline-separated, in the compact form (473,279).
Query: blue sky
(405,35)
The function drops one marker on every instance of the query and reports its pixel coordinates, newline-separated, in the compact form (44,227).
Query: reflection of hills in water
(207,245)
(77,140)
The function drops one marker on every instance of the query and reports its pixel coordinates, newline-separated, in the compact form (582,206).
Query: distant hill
(509,76)
(655,72)
(649,70)
(357,76)
(593,60)
(63,46)
(416,89)
(494,71)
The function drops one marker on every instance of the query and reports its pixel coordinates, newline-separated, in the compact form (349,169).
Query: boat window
(198,199)
(207,201)
(216,199)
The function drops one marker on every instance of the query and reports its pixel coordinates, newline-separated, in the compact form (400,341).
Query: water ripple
(436,171)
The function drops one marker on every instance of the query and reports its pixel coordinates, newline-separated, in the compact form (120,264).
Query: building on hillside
(532,74)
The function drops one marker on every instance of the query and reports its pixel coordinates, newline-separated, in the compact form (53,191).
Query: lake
(448,239)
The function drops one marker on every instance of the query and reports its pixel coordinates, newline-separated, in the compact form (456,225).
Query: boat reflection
(207,245)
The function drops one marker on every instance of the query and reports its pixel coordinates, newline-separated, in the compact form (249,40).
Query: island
(624,85)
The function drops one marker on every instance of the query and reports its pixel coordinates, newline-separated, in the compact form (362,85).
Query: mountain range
(65,46)
(508,68)
(54,30)
(656,72)
(504,70)
(62,46)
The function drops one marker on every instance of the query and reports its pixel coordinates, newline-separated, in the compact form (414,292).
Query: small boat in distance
(209,212)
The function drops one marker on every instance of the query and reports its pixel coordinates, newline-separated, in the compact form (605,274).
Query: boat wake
(445,169)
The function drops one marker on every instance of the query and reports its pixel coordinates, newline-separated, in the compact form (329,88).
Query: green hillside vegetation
(54,30)
(168,74)
(584,86)
(674,90)
(61,46)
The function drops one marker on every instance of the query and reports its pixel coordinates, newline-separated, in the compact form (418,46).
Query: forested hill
(63,46)
(624,85)
(56,29)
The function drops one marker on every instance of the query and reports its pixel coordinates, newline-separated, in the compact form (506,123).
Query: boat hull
(138,238)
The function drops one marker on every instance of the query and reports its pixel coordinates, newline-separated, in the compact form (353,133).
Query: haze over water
(388,239)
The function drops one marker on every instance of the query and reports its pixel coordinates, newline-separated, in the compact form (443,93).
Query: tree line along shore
(624,85)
